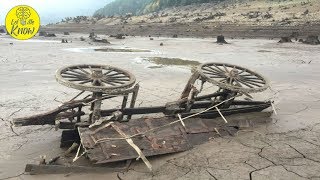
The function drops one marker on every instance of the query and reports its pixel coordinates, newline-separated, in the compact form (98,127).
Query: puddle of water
(163,61)
(107,50)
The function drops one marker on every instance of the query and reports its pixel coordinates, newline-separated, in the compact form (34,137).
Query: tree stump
(312,39)
(92,35)
(221,40)
(64,41)
(120,36)
(285,40)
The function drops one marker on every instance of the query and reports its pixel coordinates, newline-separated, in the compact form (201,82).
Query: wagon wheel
(232,77)
(95,78)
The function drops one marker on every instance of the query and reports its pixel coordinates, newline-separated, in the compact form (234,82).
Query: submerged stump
(285,40)
(221,40)
(312,39)
(64,41)
(92,35)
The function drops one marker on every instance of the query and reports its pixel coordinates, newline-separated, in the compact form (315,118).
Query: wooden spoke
(252,83)
(226,69)
(109,71)
(84,71)
(86,81)
(219,68)
(240,81)
(212,73)
(211,69)
(77,72)
(258,82)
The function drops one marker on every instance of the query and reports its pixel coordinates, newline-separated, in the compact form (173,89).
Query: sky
(52,11)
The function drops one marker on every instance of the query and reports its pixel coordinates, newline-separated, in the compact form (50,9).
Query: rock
(2,31)
(66,33)
(312,39)
(151,39)
(285,40)
(172,19)
(82,38)
(118,36)
(268,15)
(50,35)
(221,40)
(161,44)
(100,40)
(175,36)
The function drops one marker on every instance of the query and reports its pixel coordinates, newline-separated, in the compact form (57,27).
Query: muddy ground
(286,148)
(191,29)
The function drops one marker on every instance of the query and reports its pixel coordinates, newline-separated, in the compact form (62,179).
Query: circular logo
(22,22)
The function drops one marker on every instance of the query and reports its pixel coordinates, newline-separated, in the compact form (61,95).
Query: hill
(138,7)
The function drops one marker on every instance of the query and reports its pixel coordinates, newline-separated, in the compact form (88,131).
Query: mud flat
(288,147)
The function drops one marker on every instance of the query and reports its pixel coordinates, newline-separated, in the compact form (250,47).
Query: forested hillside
(121,7)
(136,7)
